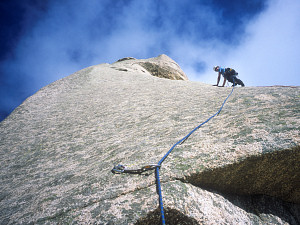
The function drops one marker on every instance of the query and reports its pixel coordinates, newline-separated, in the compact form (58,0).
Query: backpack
(231,71)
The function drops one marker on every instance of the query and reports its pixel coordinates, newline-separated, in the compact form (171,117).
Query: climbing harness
(122,169)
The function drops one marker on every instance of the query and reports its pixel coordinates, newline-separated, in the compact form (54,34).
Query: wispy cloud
(258,41)
(269,51)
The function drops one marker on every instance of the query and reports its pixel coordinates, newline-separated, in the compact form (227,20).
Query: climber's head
(216,68)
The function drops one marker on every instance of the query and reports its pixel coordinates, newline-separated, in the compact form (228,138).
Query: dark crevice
(172,216)
(260,185)
(262,206)
(126,58)
(274,174)
(120,69)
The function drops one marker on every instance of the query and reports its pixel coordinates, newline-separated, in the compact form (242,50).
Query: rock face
(161,66)
(58,148)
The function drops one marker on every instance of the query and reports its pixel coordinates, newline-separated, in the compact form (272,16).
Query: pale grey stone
(57,150)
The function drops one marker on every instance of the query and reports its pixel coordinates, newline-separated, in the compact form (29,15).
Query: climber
(228,74)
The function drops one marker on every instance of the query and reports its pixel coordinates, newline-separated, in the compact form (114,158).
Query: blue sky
(44,40)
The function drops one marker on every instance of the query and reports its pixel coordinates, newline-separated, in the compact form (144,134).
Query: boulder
(162,66)
(59,146)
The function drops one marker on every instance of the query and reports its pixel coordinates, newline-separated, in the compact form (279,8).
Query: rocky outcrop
(57,150)
(162,66)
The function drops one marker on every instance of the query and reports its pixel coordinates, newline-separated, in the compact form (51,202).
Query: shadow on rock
(261,185)
(172,216)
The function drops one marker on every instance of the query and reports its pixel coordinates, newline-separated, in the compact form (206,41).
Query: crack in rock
(274,174)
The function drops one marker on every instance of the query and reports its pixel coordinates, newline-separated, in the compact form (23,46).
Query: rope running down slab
(122,169)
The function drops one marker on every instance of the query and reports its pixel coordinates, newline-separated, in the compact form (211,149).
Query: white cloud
(75,34)
(268,55)
(271,52)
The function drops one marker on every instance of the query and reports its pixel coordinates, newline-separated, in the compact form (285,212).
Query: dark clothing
(231,75)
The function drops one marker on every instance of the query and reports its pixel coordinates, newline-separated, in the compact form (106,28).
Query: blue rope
(158,186)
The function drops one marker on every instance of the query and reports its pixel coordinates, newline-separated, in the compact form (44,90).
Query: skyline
(44,41)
